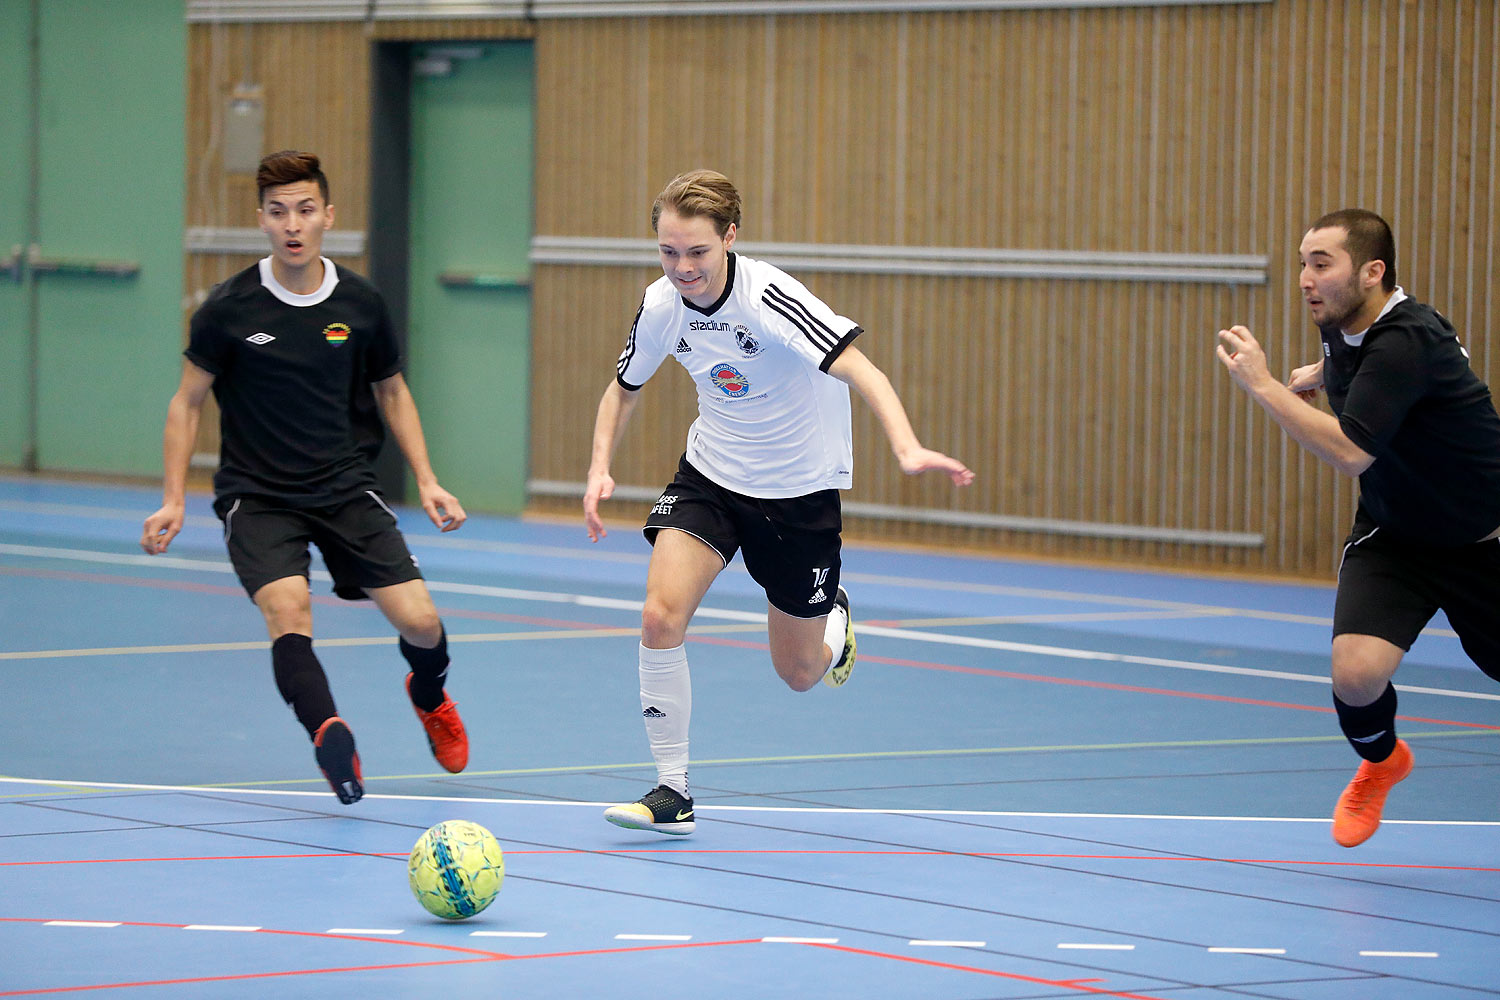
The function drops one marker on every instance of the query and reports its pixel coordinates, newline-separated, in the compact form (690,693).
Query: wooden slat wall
(1173,129)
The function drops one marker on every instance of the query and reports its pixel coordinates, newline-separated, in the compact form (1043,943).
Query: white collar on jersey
(330,280)
(1355,339)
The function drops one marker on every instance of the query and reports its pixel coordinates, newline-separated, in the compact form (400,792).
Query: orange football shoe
(1357,815)
(445,732)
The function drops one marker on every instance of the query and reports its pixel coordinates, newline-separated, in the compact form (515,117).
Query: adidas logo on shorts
(652,712)
(818,597)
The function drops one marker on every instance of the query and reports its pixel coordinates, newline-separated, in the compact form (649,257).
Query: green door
(470,297)
(107,272)
(15,181)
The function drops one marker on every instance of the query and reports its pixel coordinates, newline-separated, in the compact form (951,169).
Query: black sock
(429,669)
(301,681)
(1370,729)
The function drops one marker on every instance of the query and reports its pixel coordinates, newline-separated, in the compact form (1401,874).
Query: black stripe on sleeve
(822,337)
(838,349)
(629,353)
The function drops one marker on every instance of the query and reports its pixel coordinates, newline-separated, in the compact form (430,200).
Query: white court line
(81,923)
(1097,947)
(828,810)
(509,934)
(653,937)
(583,600)
(1398,954)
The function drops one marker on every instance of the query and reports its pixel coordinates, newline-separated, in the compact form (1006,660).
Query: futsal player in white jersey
(765,460)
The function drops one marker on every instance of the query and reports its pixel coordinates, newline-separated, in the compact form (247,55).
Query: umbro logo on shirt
(682,346)
(259,339)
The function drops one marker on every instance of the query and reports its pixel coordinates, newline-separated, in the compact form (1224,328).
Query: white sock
(667,706)
(834,631)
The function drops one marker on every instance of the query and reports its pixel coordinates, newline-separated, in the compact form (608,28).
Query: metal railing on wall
(412,10)
(964,519)
(952,262)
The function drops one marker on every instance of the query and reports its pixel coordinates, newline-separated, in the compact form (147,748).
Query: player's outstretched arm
(400,413)
(615,407)
(853,368)
(177,440)
(1318,432)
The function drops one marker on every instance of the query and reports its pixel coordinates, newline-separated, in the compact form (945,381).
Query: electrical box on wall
(244,131)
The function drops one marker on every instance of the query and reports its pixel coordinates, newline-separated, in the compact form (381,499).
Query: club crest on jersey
(747,341)
(336,333)
(729,380)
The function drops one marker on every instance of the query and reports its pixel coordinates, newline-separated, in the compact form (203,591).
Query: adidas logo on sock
(818,597)
(652,712)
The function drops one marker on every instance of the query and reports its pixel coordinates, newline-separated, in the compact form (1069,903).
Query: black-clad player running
(301,356)
(1417,426)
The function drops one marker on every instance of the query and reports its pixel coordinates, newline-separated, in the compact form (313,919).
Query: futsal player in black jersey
(1418,427)
(301,356)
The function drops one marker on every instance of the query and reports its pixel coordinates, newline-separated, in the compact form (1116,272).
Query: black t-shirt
(1407,395)
(298,420)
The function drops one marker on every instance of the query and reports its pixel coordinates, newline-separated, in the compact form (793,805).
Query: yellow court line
(861,755)
(378,640)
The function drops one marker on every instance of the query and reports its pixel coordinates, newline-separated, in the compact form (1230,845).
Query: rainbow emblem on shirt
(729,380)
(336,333)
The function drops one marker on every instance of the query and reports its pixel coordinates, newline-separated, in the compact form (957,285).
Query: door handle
(80,266)
(457,279)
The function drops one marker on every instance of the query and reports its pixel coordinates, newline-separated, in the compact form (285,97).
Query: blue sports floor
(1043,781)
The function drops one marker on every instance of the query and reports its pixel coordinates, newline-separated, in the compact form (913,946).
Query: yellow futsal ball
(456,869)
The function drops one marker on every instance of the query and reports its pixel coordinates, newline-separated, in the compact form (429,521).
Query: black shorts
(361,545)
(1390,588)
(791,545)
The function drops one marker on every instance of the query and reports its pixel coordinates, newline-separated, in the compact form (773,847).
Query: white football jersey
(772,422)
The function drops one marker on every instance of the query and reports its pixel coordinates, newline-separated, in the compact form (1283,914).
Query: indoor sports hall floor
(1042,781)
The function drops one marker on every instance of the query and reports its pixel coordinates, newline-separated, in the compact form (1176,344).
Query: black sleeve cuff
(838,348)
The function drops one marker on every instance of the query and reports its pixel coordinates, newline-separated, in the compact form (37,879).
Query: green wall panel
(112,147)
(471,213)
(15,80)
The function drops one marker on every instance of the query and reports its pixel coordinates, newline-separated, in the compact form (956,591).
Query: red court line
(1070,984)
(777,852)
(126,581)
(1136,689)
(241,977)
(482,956)
(324,599)
(1100,685)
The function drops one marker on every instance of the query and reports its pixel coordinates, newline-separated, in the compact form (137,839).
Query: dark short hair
(705,193)
(288,167)
(1367,237)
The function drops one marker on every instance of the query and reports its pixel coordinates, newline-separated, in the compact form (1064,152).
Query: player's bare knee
(800,674)
(661,626)
(424,630)
(286,612)
(1358,678)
